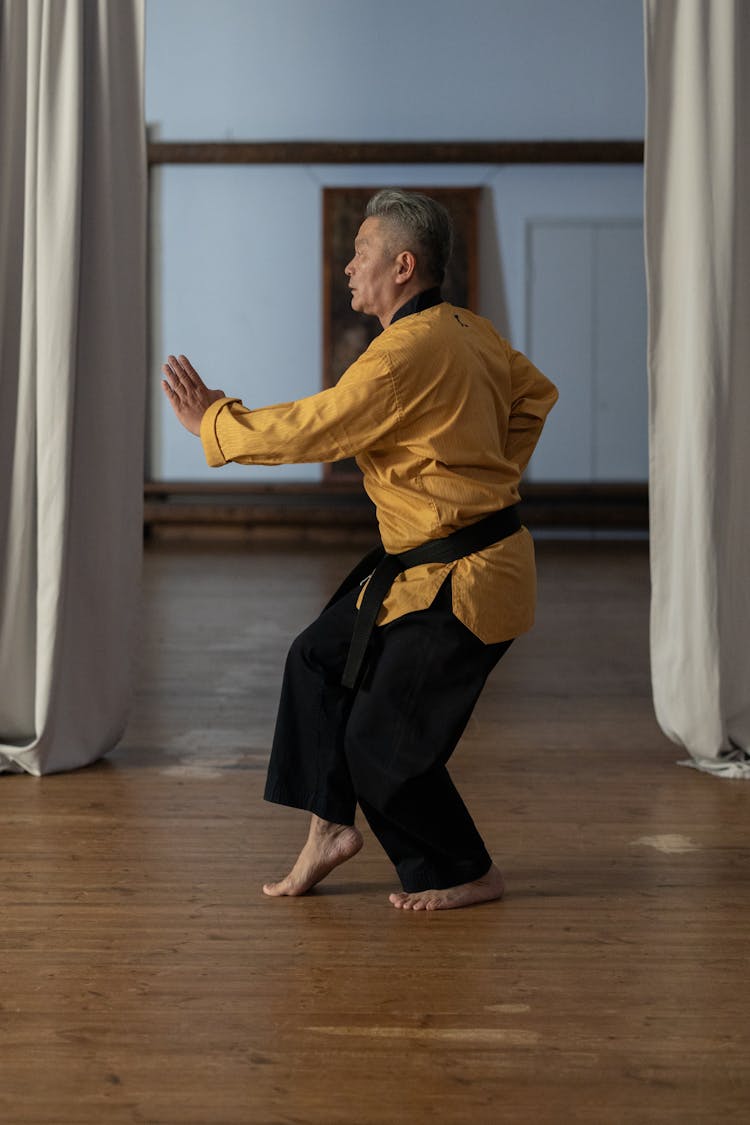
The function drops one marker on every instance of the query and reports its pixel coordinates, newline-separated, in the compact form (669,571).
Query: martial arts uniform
(442,416)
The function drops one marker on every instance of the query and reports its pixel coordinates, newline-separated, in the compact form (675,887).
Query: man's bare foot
(489,887)
(328,845)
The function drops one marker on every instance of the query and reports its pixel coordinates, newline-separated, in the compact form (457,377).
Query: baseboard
(334,511)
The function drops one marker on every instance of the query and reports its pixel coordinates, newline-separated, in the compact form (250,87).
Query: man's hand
(188,394)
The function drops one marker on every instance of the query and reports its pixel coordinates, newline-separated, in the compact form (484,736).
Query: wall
(236,251)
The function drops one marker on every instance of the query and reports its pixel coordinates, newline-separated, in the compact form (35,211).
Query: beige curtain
(72,356)
(698,265)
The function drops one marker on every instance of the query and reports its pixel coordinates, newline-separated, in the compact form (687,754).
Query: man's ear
(406,266)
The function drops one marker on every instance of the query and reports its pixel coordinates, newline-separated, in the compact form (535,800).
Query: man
(442,416)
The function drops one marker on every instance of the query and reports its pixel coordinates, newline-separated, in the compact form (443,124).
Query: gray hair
(424,223)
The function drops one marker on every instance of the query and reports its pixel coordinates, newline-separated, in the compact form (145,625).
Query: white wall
(236,251)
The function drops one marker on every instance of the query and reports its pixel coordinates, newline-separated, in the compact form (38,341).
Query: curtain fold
(73,184)
(698,269)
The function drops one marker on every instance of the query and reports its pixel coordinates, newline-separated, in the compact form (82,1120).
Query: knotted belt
(466,541)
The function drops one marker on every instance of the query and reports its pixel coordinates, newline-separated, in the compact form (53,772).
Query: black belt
(476,537)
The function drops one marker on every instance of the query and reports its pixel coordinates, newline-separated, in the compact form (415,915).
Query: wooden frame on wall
(599,505)
(396,152)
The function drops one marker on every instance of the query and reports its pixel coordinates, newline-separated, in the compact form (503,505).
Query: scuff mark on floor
(669,843)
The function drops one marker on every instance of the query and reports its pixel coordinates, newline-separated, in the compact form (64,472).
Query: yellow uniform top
(442,416)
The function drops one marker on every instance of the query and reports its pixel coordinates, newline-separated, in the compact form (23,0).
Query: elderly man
(442,415)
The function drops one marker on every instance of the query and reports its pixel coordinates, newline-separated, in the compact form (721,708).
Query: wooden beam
(340,505)
(397,152)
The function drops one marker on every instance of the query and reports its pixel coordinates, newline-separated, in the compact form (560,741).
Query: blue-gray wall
(236,251)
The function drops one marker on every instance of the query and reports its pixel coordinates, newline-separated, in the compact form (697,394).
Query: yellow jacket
(442,416)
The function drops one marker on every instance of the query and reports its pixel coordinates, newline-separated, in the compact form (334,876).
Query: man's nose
(348,268)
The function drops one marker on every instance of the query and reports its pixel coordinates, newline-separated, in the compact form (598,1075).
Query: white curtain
(72,372)
(698,266)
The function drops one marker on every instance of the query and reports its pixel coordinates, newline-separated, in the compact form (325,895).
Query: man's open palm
(187,393)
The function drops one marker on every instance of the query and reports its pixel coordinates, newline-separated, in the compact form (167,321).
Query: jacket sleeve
(532,398)
(343,421)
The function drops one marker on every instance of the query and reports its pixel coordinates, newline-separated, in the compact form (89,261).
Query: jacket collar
(424,300)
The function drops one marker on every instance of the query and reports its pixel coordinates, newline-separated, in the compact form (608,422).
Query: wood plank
(146,978)
(331,505)
(605,151)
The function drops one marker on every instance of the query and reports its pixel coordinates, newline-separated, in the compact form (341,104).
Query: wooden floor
(146,979)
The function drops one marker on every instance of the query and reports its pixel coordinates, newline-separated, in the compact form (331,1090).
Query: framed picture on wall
(346,334)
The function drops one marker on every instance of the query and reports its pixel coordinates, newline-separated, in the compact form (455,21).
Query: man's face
(372,271)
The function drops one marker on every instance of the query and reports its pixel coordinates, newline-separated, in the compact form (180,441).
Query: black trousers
(385,746)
